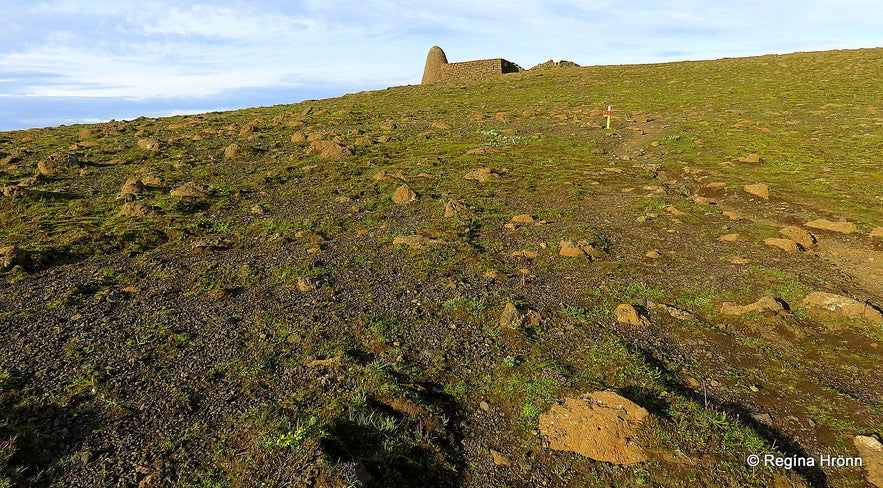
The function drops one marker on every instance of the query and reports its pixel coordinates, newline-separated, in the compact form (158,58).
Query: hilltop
(416,286)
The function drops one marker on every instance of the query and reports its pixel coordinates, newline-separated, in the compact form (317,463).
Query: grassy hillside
(252,298)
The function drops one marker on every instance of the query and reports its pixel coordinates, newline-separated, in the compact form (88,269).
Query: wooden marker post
(609,112)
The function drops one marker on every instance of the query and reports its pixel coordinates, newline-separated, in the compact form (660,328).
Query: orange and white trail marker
(609,113)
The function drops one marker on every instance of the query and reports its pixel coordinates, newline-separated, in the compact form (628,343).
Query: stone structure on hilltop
(439,69)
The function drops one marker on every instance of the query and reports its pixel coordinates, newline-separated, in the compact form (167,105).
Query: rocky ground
(456,285)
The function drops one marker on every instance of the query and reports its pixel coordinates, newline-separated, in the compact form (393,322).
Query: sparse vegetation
(249,321)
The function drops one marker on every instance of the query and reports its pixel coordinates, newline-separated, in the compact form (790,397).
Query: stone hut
(439,69)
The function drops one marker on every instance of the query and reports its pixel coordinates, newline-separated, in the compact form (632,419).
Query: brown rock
(384,175)
(654,254)
(232,151)
(305,284)
(571,249)
(149,144)
(328,150)
(871,451)
(190,189)
(758,189)
(413,241)
(11,256)
(135,209)
(750,159)
(627,314)
(500,459)
(15,192)
(332,361)
(674,211)
(799,235)
(786,245)
(843,306)
(298,136)
(404,195)
(454,208)
(733,214)
(247,129)
(440,126)
(765,304)
(728,238)
(152,180)
(513,318)
(716,185)
(132,187)
(57,163)
(601,426)
(318,135)
(523,219)
(823,224)
(878,232)
(484,174)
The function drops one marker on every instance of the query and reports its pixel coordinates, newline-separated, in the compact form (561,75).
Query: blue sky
(71,61)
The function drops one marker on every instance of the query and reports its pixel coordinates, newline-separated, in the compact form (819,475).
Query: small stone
(714,383)
(500,459)
(11,256)
(627,314)
(484,406)
(232,151)
(733,215)
(132,187)
(404,195)
(798,235)
(332,361)
(135,209)
(841,227)
(786,245)
(654,254)
(513,318)
(739,260)
(716,185)
(190,189)
(674,211)
(482,175)
(492,274)
(148,144)
(415,241)
(440,126)
(728,238)
(878,232)
(525,253)
(328,150)
(750,159)
(758,189)
(765,304)
(305,285)
(523,219)
(454,208)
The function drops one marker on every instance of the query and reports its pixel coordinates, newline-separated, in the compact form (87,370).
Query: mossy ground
(130,355)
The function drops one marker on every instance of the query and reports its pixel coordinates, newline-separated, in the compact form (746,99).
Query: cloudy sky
(70,61)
